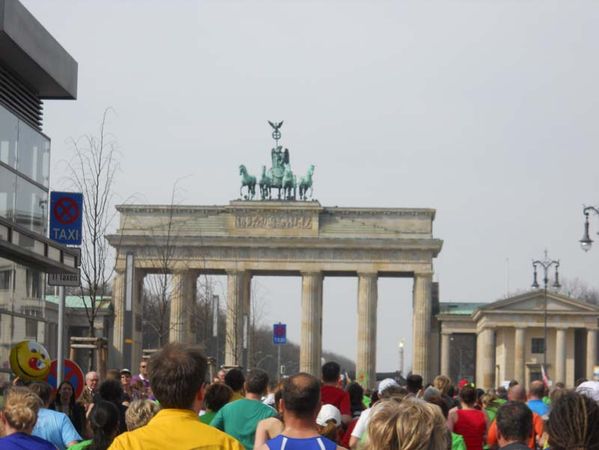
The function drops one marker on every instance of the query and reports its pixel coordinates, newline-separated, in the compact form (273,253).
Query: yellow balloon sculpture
(30,361)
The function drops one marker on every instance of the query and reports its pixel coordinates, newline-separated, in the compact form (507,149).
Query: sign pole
(60,355)
(279,362)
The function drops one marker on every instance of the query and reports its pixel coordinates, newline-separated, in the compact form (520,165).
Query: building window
(538,345)
(536,375)
(31,328)
(5,276)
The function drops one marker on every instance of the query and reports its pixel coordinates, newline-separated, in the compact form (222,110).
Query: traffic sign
(66,210)
(65,279)
(279,333)
(72,373)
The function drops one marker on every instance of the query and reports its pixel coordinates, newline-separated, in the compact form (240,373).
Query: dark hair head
(217,395)
(501,392)
(468,395)
(177,373)
(104,423)
(537,389)
(356,395)
(72,400)
(513,383)
(43,391)
(330,372)
(111,391)
(437,400)
(394,392)
(301,395)
(573,422)
(257,382)
(413,383)
(514,421)
(234,379)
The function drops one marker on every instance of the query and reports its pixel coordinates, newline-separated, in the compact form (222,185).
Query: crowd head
(177,375)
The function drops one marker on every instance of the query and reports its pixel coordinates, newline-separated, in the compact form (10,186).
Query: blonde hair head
(139,413)
(20,408)
(329,430)
(410,425)
(442,383)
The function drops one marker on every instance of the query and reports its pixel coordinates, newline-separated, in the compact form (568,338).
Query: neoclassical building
(491,343)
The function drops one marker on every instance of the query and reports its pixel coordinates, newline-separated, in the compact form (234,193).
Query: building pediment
(534,301)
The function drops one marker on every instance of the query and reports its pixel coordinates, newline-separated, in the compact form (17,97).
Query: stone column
(182,305)
(445,349)
(591,352)
(118,329)
(560,355)
(422,304)
(236,289)
(520,355)
(136,316)
(485,358)
(311,339)
(367,306)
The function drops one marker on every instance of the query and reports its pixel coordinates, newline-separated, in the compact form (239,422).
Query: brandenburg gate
(287,234)
(299,238)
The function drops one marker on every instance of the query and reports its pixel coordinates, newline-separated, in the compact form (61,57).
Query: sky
(484,110)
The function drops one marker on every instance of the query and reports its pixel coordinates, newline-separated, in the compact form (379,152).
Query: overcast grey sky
(484,110)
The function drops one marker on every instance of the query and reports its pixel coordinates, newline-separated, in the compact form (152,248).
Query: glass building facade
(28,76)
(24,182)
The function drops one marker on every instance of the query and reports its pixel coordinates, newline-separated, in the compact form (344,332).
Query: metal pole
(60,352)
(279,362)
(545,330)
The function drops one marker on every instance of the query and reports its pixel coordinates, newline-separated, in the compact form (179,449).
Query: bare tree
(580,289)
(92,171)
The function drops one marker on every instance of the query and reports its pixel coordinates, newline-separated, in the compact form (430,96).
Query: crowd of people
(169,405)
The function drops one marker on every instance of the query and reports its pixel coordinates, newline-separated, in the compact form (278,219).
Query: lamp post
(401,350)
(545,264)
(586,242)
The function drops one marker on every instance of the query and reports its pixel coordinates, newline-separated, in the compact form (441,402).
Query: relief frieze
(286,221)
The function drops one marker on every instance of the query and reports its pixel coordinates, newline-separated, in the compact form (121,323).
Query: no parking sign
(72,373)
(66,210)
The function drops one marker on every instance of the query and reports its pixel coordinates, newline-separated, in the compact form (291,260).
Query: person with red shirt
(468,421)
(331,393)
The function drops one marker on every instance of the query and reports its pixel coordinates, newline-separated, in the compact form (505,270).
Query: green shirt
(81,445)
(240,419)
(457,442)
(207,417)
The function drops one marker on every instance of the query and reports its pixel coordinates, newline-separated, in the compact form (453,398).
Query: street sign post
(64,279)
(66,218)
(66,211)
(279,337)
(279,333)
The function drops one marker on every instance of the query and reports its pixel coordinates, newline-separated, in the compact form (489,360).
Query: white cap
(328,412)
(386,384)
(590,389)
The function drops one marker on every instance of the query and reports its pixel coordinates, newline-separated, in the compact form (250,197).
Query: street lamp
(545,264)
(401,350)
(586,242)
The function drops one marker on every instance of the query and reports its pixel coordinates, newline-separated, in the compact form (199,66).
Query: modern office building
(33,67)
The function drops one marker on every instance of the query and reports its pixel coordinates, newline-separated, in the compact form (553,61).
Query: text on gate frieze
(276,221)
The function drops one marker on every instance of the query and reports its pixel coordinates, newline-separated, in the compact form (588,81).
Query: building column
(118,329)
(367,307)
(485,358)
(520,355)
(591,352)
(560,355)
(137,288)
(311,338)
(182,305)
(422,305)
(236,290)
(445,349)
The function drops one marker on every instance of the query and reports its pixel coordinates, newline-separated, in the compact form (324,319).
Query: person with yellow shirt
(177,375)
